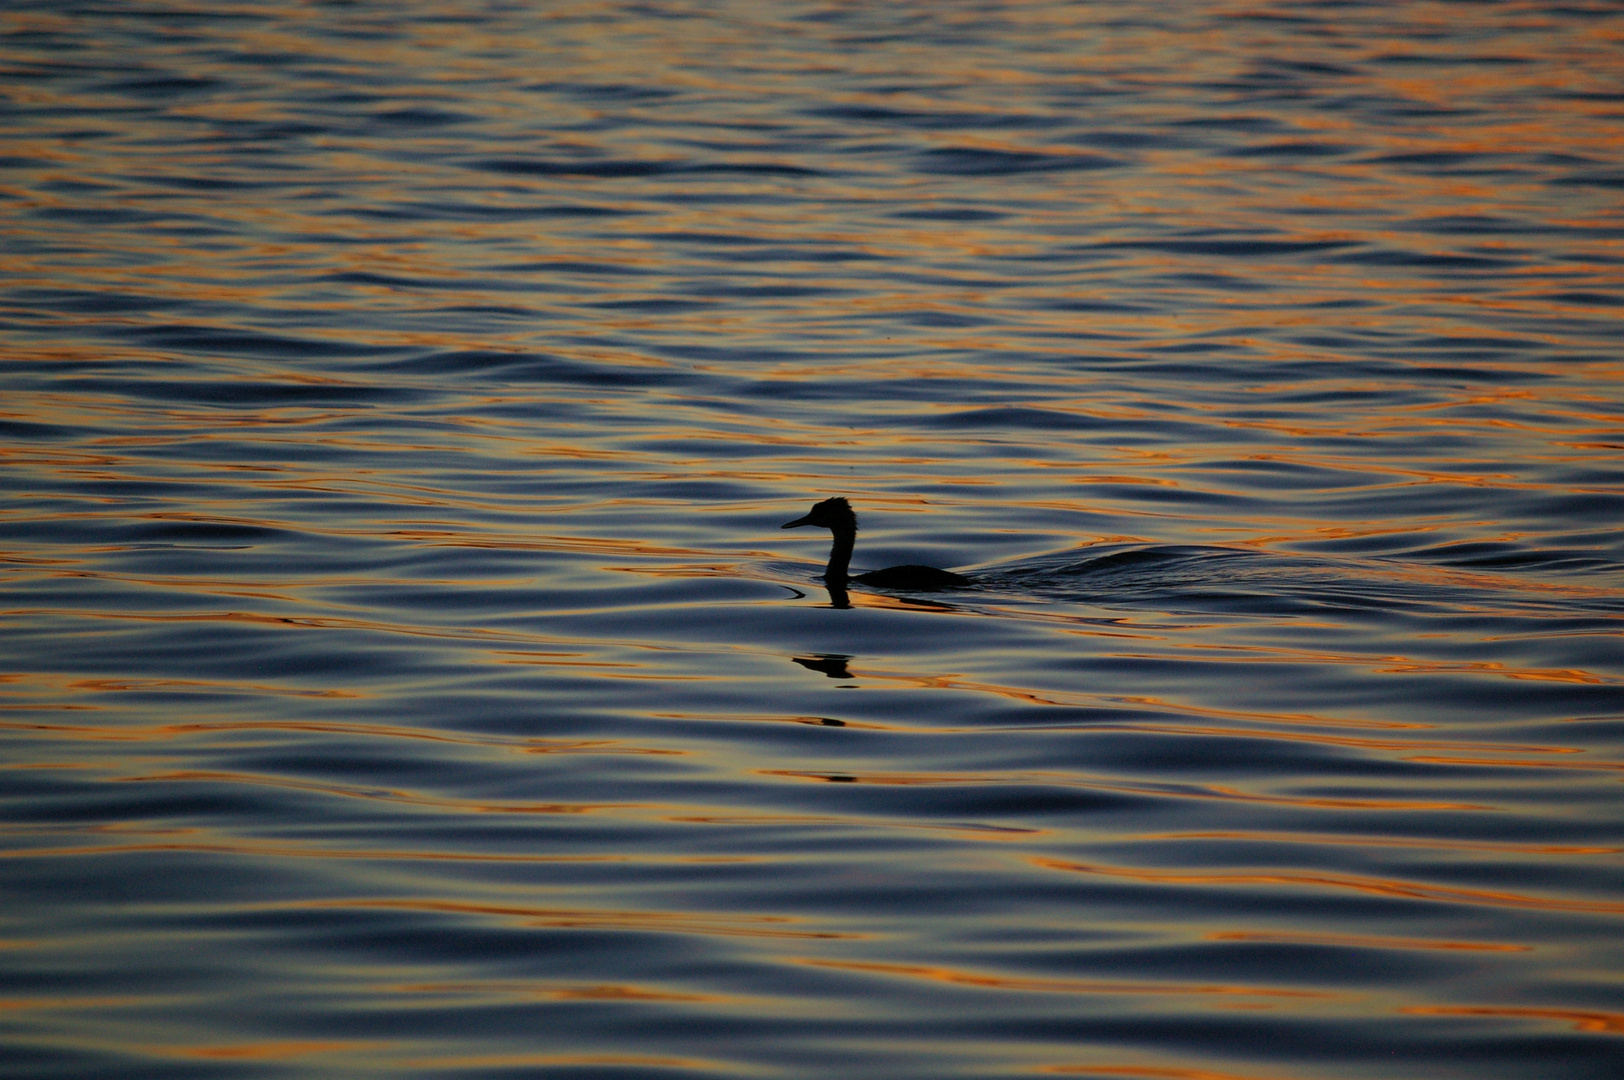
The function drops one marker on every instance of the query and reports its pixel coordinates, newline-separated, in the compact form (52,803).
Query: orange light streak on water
(732,924)
(1063,986)
(1355,883)
(1599,1022)
(405,409)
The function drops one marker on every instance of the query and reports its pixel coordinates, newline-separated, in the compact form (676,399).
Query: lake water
(405,674)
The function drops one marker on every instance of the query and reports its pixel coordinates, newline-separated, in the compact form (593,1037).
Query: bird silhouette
(837,516)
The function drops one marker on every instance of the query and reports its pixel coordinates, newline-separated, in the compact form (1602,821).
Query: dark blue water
(405,674)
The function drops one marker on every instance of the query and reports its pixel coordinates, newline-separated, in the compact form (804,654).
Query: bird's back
(912,577)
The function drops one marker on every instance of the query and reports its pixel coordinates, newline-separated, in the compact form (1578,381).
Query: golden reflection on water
(538,989)
(166,732)
(67,1001)
(1159,790)
(1350,882)
(1582,1020)
(1064,986)
(461,1062)
(1162,384)
(1504,763)
(1155,1072)
(1363,941)
(733,924)
(381,794)
(264,1051)
(283,850)
(1374,840)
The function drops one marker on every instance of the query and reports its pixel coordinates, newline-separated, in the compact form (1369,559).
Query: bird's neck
(840,556)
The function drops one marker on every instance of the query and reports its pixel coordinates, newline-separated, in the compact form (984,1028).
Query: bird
(837,516)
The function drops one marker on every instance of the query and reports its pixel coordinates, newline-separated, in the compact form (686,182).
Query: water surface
(404,672)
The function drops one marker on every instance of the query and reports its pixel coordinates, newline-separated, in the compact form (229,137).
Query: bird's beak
(806,520)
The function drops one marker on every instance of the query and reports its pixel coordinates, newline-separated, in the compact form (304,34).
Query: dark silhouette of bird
(837,516)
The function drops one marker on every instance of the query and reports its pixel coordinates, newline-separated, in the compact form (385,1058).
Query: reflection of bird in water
(836,515)
(831,664)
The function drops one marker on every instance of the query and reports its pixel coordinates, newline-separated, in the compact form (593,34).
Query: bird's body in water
(837,516)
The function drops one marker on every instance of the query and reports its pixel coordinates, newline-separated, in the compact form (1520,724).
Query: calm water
(404,673)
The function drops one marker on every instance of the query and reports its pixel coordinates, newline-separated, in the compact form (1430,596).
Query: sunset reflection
(405,671)
(1061,986)
(1373,886)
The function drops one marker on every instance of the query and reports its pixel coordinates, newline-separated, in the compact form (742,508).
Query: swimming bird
(837,516)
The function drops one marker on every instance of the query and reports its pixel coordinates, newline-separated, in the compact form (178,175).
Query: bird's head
(835,514)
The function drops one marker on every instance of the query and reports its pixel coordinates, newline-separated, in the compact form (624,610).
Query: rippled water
(405,673)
